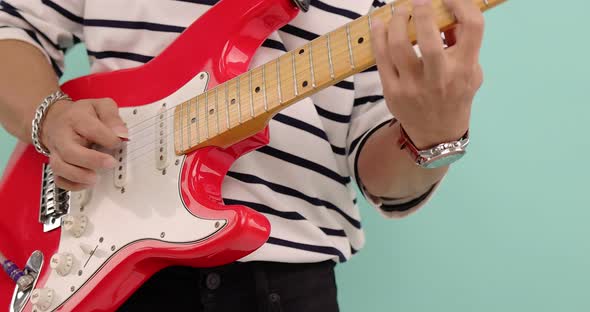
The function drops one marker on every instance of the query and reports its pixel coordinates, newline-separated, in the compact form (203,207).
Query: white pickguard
(149,208)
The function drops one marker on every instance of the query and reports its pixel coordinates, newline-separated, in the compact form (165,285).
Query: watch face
(443,160)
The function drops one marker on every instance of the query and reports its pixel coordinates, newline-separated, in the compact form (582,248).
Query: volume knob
(62,263)
(42,298)
(75,224)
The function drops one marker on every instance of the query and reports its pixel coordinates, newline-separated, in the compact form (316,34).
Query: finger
(379,42)
(73,173)
(69,185)
(428,37)
(108,112)
(95,131)
(470,27)
(401,50)
(81,156)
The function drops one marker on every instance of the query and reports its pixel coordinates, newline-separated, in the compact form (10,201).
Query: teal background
(507,231)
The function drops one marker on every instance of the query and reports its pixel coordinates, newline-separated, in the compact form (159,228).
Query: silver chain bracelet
(40,116)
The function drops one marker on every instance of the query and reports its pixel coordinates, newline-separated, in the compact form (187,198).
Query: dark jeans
(244,287)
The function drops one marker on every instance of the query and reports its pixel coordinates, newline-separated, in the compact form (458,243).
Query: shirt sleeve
(369,114)
(51,26)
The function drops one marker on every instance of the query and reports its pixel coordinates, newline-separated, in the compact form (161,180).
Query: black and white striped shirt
(304,180)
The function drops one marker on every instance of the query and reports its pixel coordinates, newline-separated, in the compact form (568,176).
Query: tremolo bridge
(55,201)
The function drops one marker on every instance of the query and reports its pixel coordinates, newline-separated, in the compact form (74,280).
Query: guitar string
(324,58)
(195,128)
(140,165)
(203,116)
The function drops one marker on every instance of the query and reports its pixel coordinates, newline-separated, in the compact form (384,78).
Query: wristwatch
(437,156)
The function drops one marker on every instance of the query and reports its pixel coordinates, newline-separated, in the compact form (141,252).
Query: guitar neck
(242,106)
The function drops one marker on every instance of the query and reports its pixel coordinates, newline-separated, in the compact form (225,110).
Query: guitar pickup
(120,172)
(161,129)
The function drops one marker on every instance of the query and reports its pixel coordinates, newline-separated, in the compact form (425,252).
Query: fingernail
(109,163)
(122,132)
(420,2)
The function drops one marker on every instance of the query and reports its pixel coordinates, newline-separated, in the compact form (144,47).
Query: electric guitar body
(156,209)
(162,204)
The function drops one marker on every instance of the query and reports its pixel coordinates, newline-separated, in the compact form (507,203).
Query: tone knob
(62,263)
(42,298)
(75,224)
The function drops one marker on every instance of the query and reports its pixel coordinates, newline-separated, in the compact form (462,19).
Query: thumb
(108,112)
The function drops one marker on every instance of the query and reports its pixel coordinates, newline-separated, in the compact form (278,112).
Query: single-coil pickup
(120,172)
(161,130)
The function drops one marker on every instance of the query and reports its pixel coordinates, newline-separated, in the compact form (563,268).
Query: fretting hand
(431,96)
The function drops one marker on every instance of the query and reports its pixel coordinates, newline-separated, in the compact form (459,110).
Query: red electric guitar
(191,113)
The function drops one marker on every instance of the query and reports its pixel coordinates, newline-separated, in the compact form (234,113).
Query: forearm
(25,79)
(387,171)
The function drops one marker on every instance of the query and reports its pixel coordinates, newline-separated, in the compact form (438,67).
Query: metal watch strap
(40,116)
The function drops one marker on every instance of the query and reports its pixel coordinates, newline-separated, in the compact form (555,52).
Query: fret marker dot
(212,111)
(257,89)
(301,51)
(233,101)
(193,120)
(304,84)
(361,40)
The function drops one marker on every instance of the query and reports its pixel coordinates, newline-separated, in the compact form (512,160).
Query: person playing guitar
(381,128)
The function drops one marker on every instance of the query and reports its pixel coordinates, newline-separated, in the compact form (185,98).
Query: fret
(257,90)
(251,94)
(303,70)
(188,121)
(239,100)
(264,88)
(340,53)
(294,74)
(320,59)
(279,81)
(180,110)
(197,122)
(311,65)
(383,14)
(216,110)
(227,105)
(349,46)
(207,112)
(245,97)
(232,101)
(286,76)
(271,94)
(330,56)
